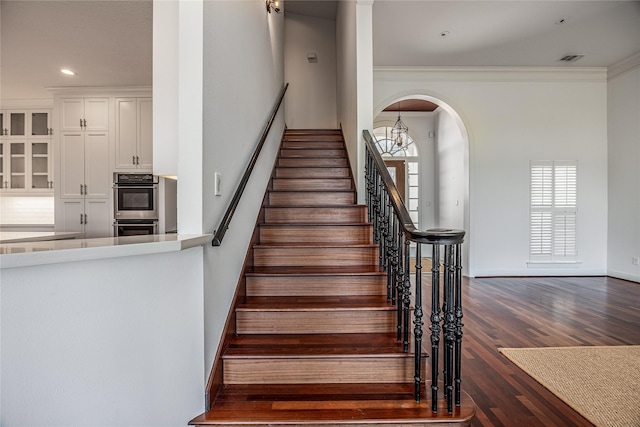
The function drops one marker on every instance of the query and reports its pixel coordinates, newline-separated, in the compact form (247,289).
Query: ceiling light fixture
(571,57)
(444,34)
(67,72)
(400,131)
(273,5)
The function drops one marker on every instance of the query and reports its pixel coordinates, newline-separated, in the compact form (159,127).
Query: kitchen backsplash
(26,210)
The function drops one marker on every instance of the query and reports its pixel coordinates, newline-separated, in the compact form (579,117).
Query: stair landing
(342,405)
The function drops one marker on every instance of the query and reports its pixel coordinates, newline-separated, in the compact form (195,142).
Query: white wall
(624,174)
(165,87)
(244,74)
(347,77)
(114,342)
(514,116)
(450,174)
(312,86)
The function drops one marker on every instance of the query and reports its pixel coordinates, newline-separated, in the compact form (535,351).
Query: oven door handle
(122,187)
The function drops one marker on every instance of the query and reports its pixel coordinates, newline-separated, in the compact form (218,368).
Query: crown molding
(492,74)
(103,90)
(624,66)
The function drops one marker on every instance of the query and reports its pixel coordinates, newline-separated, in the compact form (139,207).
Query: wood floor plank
(537,312)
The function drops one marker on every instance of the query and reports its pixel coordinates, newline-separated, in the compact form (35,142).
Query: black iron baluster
(417,321)
(400,280)
(368,171)
(459,324)
(392,251)
(406,294)
(449,325)
(435,324)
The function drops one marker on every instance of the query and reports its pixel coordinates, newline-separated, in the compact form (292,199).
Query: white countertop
(31,253)
(36,236)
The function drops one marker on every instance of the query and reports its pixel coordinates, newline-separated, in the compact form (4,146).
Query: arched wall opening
(442,142)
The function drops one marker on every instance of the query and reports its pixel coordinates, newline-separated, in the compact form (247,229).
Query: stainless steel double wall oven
(135,204)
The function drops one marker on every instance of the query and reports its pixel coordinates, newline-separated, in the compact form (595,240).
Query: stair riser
(323,371)
(313,184)
(321,286)
(302,137)
(313,162)
(312,153)
(312,172)
(315,322)
(313,144)
(344,235)
(314,256)
(300,215)
(318,198)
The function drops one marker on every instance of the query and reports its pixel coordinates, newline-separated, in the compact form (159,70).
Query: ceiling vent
(571,58)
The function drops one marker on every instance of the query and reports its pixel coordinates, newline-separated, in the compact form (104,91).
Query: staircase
(315,339)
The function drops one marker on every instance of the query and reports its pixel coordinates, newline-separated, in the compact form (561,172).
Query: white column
(364,64)
(190,149)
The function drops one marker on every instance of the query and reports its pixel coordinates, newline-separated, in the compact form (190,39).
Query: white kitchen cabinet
(23,124)
(84,166)
(25,151)
(89,216)
(84,114)
(134,141)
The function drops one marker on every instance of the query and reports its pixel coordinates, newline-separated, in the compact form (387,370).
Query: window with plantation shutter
(553,217)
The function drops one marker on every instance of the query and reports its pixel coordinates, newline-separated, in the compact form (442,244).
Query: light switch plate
(217,184)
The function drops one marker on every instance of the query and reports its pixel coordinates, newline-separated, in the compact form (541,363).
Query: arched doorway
(442,143)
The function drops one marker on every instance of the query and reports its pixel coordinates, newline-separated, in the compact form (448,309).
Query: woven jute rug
(601,383)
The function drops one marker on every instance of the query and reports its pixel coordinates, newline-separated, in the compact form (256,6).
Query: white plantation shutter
(553,232)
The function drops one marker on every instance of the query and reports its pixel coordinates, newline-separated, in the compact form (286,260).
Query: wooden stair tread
(317,271)
(316,224)
(314,345)
(389,404)
(297,303)
(314,245)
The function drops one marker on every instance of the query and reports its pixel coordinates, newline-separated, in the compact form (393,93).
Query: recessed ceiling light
(444,34)
(571,57)
(67,71)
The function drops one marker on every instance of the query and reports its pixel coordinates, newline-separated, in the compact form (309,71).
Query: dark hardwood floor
(537,312)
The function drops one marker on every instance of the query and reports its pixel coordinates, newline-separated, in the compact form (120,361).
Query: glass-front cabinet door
(17,177)
(40,166)
(17,124)
(3,179)
(40,123)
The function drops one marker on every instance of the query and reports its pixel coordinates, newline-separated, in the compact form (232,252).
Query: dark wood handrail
(226,219)
(441,236)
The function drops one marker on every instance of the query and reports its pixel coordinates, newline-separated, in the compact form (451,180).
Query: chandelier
(400,132)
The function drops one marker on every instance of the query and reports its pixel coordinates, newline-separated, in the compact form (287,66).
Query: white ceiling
(504,33)
(109,42)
